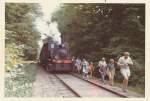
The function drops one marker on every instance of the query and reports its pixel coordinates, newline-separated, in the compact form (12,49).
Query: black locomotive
(55,58)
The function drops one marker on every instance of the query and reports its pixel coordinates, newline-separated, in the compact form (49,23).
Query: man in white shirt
(78,64)
(102,69)
(102,63)
(124,62)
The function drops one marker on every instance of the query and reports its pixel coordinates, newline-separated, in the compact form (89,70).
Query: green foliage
(16,13)
(105,30)
(20,27)
(13,54)
(21,35)
(19,82)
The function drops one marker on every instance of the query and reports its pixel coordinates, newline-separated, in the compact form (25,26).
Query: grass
(19,82)
(137,89)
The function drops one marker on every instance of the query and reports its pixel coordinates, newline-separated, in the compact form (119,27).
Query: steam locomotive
(55,57)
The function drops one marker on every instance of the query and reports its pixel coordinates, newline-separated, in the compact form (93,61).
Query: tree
(21,33)
(20,20)
(97,30)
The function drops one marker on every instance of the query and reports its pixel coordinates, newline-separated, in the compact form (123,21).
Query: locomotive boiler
(55,57)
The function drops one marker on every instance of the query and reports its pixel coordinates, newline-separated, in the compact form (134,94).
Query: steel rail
(112,91)
(78,95)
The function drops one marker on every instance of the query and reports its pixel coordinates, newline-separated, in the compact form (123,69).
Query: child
(91,68)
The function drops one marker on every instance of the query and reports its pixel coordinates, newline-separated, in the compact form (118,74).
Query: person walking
(73,64)
(91,69)
(78,64)
(111,71)
(85,66)
(124,63)
(102,69)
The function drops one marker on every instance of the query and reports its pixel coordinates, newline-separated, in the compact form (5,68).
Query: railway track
(110,90)
(82,88)
(61,89)
(72,85)
(48,85)
(67,86)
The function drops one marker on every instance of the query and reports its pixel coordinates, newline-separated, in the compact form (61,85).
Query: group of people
(85,66)
(106,69)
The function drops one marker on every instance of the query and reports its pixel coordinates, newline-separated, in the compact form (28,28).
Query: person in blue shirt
(111,71)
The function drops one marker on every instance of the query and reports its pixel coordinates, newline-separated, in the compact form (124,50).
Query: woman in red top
(91,68)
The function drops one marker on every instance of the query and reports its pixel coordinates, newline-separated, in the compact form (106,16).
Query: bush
(19,81)
(13,54)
